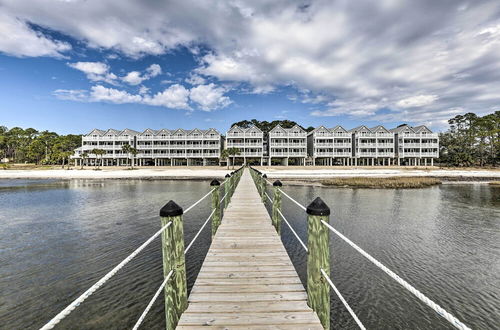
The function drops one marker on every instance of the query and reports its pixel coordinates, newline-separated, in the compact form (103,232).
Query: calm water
(58,238)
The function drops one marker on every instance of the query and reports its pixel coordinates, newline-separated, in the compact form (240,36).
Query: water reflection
(59,237)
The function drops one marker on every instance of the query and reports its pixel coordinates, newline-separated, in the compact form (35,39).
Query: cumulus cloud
(136,77)
(209,97)
(417,101)
(95,71)
(18,39)
(175,97)
(204,97)
(405,49)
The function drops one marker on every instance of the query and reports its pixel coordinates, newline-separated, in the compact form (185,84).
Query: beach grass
(495,183)
(389,182)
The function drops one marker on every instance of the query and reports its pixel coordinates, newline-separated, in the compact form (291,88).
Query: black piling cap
(277,183)
(318,207)
(171,209)
(264,176)
(232,173)
(228,175)
(215,182)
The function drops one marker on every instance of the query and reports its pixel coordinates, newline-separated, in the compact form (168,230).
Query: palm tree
(84,156)
(98,153)
(233,152)
(225,155)
(127,148)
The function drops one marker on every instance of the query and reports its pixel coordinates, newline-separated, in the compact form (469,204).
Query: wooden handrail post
(173,259)
(276,219)
(215,206)
(318,290)
(263,188)
(227,184)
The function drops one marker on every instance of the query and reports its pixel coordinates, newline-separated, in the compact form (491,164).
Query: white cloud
(95,71)
(18,39)
(417,101)
(71,94)
(209,97)
(133,78)
(195,79)
(103,94)
(330,48)
(205,97)
(175,97)
(136,78)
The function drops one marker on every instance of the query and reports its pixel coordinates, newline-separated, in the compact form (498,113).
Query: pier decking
(247,279)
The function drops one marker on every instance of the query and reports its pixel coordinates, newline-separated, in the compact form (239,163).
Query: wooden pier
(247,279)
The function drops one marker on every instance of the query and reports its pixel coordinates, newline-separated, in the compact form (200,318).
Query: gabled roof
(236,128)
(128,131)
(338,128)
(191,132)
(163,131)
(148,131)
(179,130)
(211,130)
(320,128)
(421,128)
(296,128)
(360,129)
(402,128)
(379,128)
(112,132)
(253,128)
(96,131)
(277,128)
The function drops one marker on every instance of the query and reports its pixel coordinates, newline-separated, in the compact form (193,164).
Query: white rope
(337,292)
(269,182)
(65,312)
(293,200)
(293,231)
(151,302)
(199,200)
(269,197)
(223,198)
(198,233)
(450,318)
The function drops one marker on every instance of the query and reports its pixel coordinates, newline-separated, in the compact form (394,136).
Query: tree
(129,150)
(98,153)
(233,152)
(84,156)
(65,155)
(225,155)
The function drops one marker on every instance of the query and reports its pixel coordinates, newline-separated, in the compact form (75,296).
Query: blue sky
(72,65)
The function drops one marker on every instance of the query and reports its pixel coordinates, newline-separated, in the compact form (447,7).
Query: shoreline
(301,176)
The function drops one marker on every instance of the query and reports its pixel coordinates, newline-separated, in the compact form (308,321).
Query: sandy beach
(290,173)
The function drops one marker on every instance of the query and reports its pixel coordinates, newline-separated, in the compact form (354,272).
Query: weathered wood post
(215,206)
(263,188)
(227,184)
(173,259)
(318,257)
(276,219)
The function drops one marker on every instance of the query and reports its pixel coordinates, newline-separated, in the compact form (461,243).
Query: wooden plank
(247,280)
(262,318)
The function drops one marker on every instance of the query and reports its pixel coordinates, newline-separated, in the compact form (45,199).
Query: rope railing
(66,311)
(199,232)
(318,212)
(75,303)
(293,200)
(438,309)
(152,301)
(337,292)
(293,231)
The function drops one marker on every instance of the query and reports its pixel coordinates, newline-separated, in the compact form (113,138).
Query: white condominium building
(373,146)
(249,141)
(415,145)
(330,146)
(287,144)
(154,147)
